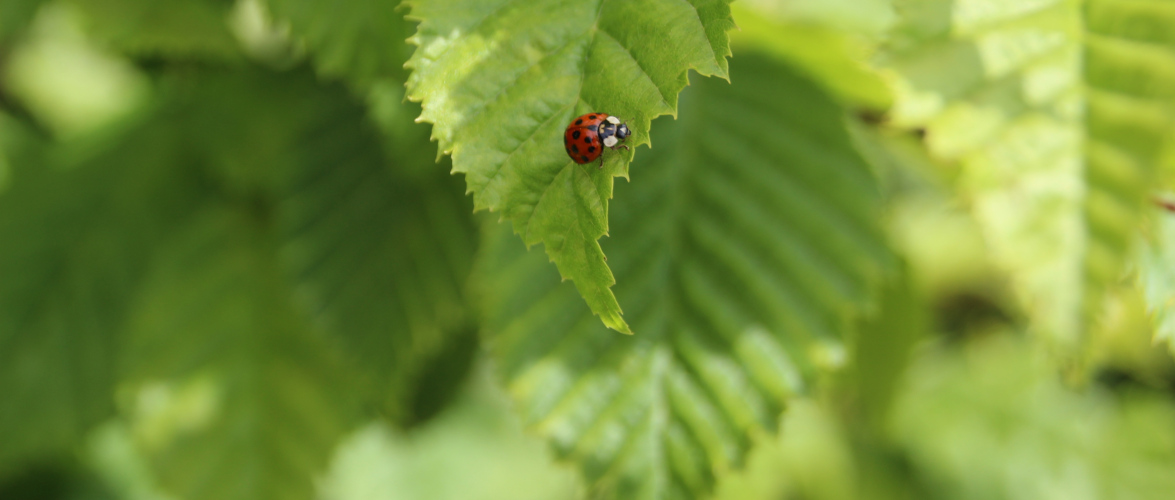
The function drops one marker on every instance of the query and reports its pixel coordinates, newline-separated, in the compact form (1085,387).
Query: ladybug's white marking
(610,141)
(613,120)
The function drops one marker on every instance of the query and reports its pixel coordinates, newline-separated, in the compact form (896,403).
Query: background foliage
(862,249)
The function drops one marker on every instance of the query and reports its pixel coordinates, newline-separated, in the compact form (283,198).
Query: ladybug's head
(622,132)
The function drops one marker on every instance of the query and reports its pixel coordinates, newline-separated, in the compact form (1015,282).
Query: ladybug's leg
(601,162)
(625,146)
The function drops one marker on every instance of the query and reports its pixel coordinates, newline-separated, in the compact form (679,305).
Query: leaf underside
(500,80)
(743,247)
(1058,142)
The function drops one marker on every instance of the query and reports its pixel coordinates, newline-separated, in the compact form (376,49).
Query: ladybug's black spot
(591,149)
(585,159)
(575,148)
(587,140)
(579,121)
(575,135)
(592,117)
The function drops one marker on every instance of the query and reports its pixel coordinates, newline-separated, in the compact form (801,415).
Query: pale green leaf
(75,243)
(500,80)
(237,398)
(794,30)
(1156,274)
(993,421)
(747,241)
(478,436)
(1058,142)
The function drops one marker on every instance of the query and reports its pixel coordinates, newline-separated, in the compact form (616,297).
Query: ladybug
(587,136)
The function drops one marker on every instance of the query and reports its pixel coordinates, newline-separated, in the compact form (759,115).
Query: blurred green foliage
(900,249)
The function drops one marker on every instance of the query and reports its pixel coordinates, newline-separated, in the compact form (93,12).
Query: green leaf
(380,254)
(1156,275)
(500,80)
(176,28)
(478,436)
(362,41)
(745,248)
(883,346)
(15,16)
(378,246)
(792,30)
(239,398)
(1058,144)
(75,245)
(995,422)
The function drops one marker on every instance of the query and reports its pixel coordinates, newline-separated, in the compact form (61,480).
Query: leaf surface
(380,251)
(175,28)
(239,398)
(966,415)
(1156,275)
(377,243)
(1058,143)
(15,16)
(501,80)
(363,40)
(744,246)
(75,245)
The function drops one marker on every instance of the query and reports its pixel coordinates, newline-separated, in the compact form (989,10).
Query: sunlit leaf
(478,436)
(500,80)
(1058,143)
(995,422)
(1156,274)
(745,243)
(843,31)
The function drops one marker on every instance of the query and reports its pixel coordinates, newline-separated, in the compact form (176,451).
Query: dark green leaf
(380,252)
(262,398)
(362,41)
(75,246)
(175,28)
(15,16)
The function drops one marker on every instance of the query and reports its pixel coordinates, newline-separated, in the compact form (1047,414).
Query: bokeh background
(232,265)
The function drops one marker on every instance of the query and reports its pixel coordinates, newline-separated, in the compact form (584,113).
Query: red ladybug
(587,136)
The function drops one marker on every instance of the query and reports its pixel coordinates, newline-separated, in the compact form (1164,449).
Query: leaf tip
(618,324)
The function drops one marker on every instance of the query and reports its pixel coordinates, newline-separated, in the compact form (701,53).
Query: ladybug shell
(582,139)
